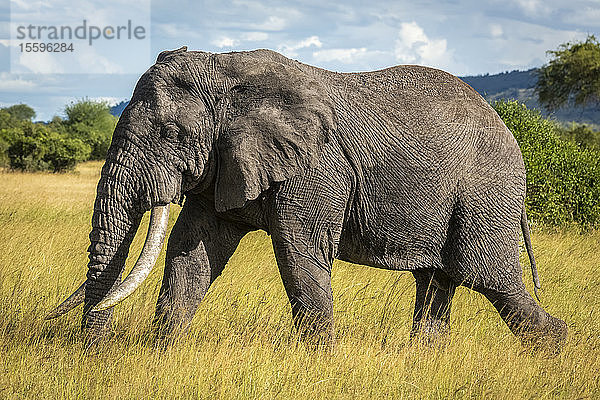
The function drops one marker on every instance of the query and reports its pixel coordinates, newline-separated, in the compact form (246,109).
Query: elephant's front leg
(431,319)
(307,280)
(305,231)
(199,246)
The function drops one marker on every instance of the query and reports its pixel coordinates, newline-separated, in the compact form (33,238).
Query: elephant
(406,168)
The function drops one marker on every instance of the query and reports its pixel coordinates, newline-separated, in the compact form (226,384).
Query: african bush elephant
(406,168)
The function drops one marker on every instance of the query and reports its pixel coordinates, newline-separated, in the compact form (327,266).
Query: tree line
(57,145)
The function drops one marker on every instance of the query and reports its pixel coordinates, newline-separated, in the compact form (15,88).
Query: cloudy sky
(464,37)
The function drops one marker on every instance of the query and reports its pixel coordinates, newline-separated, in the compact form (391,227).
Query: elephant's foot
(547,337)
(430,333)
(537,330)
(314,330)
(97,329)
(169,327)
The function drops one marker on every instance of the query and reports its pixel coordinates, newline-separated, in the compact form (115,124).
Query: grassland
(241,344)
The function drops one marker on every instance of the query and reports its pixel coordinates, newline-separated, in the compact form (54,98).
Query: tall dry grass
(241,344)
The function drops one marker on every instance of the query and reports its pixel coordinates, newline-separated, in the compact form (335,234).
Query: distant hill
(516,85)
(505,81)
(117,110)
(519,85)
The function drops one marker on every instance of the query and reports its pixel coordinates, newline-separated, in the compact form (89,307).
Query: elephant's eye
(169,131)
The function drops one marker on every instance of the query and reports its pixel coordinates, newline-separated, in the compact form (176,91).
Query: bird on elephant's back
(406,168)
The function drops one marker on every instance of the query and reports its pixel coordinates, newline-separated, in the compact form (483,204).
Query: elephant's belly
(390,254)
(400,231)
(397,262)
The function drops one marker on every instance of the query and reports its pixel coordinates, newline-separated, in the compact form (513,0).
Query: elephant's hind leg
(485,257)
(431,318)
(199,246)
(526,319)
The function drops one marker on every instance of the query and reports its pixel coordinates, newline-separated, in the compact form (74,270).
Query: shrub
(59,144)
(581,134)
(38,148)
(563,179)
(10,129)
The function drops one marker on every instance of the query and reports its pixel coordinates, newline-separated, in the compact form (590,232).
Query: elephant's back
(406,80)
(414,110)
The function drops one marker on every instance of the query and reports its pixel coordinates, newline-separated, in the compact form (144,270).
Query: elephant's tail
(527,240)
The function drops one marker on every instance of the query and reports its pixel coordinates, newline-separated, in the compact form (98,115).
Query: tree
(21,112)
(91,122)
(572,75)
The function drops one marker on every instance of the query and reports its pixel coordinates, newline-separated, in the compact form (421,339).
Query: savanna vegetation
(563,177)
(241,344)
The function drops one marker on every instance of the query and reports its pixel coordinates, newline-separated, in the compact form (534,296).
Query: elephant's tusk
(70,303)
(152,247)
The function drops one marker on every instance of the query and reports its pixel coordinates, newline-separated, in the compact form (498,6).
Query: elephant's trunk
(117,213)
(114,224)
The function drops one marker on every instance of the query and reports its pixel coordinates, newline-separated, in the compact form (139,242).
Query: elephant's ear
(276,120)
(164,54)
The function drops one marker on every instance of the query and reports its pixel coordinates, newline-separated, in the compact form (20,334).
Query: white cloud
(273,23)
(496,30)
(176,31)
(588,16)
(92,61)
(41,63)
(254,36)
(528,5)
(168,30)
(290,49)
(86,60)
(9,83)
(532,7)
(111,101)
(533,42)
(346,56)
(225,42)
(413,46)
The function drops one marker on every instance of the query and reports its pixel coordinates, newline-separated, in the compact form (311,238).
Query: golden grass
(241,344)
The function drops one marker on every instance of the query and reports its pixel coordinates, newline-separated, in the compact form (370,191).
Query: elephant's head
(230,123)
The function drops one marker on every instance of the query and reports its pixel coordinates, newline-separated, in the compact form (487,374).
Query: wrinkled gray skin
(407,169)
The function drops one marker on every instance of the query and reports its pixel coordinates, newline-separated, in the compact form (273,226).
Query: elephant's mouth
(155,237)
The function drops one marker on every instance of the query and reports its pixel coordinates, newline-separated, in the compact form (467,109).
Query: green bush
(38,148)
(58,145)
(10,130)
(563,179)
(92,123)
(581,134)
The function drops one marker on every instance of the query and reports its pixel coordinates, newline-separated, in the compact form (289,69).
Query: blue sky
(464,37)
